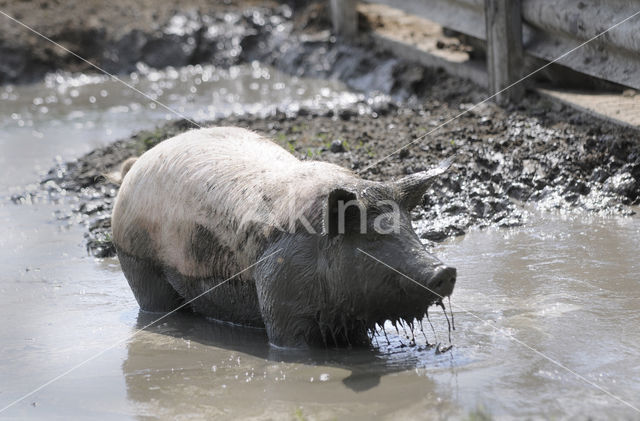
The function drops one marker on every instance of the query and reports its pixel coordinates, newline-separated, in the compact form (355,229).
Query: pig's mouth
(411,331)
(410,316)
(374,321)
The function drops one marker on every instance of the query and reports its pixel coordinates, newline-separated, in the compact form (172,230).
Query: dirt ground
(537,152)
(114,35)
(559,160)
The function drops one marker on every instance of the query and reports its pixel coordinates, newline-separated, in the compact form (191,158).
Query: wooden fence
(544,29)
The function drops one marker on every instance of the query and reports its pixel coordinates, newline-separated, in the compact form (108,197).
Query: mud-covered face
(382,265)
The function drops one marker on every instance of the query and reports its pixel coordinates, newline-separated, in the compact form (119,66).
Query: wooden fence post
(504,48)
(344,18)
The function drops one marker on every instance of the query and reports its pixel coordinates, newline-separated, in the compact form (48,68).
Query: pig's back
(197,202)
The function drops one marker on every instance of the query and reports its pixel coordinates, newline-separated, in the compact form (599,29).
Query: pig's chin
(370,325)
(410,324)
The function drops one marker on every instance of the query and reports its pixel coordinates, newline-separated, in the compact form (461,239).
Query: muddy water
(68,115)
(564,286)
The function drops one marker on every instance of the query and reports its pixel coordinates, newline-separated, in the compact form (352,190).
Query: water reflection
(366,365)
(187,361)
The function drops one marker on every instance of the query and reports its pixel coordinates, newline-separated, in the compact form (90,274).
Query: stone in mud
(454,208)
(623,184)
(90,208)
(577,186)
(346,114)
(99,244)
(519,191)
(485,121)
(337,146)
(100,223)
(404,153)
(440,233)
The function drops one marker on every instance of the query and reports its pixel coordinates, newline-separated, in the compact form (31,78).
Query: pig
(289,245)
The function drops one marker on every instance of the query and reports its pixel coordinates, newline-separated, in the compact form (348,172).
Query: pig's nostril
(443,280)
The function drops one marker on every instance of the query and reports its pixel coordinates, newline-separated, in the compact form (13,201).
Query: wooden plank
(584,19)
(504,48)
(594,59)
(418,40)
(558,26)
(619,108)
(464,16)
(344,18)
(467,69)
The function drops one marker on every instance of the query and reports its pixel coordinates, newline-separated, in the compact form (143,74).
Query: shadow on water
(367,365)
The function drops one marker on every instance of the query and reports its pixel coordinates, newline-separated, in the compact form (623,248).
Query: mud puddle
(566,286)
(67,115)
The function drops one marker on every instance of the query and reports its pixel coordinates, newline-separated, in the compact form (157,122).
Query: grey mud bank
(557,160)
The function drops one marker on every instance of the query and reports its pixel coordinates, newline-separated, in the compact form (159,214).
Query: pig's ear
(413,187)
(341,213)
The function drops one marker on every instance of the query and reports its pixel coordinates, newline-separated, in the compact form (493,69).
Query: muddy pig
(208,204)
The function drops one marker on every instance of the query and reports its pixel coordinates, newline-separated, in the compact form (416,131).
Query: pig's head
(379,269)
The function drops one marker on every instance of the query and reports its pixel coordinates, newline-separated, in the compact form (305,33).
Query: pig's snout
(443,280)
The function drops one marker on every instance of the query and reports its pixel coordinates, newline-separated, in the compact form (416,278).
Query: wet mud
(294,37)
(537,151)
(117,35)
(503,158)
(555,283)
